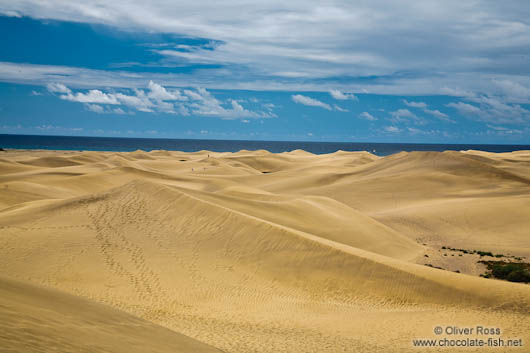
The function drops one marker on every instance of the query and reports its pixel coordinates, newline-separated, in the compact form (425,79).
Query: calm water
(132,144)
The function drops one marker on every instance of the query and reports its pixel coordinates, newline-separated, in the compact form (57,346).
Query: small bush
(510,271)
(485,253)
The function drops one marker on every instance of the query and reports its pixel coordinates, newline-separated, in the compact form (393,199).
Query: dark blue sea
(131,144)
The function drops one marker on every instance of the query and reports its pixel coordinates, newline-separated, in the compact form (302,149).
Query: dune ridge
(260,252)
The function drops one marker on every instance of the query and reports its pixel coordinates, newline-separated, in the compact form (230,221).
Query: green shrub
(510,271)
(485,253)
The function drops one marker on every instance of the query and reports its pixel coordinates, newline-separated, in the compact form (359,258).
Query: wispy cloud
(340,109)
(300,99)
(345,46)
(405,115)
(465,108)
(433,112)
(312,102)
(438,114)
(420,105)
(492,109)
(367,116)
(335,93)
(392,129)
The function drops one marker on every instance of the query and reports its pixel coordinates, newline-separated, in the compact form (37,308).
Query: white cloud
(415,131)
(335,93)
(358,38)
(286,44)
(513,91)
(465,108)
(92,96)
(421,105)
(203,103)
(57,88)
(492,109)
(75,77)
(424,106)
(405,115)
(367,116)
(139,101)
(391,129)
(158,92)
(438,114)
(501,130)
(12,14)
(300,99)
(340,109)
(162,100)
(95,108)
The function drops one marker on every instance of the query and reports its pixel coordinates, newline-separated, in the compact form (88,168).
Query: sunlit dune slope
(36,319)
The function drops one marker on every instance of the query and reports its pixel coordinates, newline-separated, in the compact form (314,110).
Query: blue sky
(400,71)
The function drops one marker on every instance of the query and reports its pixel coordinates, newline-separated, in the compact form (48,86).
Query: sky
(353,71)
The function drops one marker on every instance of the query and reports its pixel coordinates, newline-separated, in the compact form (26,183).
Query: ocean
(121,144)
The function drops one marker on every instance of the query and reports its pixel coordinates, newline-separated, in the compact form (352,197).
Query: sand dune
(36,319)
(261,252)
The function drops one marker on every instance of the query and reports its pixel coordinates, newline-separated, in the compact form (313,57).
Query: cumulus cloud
(159,93)
(204,103)
(159,99)
(139,101)
(57,88)
(335,93)
(92,96)
(95,108)
(300,99)
(118,111)
(367,116)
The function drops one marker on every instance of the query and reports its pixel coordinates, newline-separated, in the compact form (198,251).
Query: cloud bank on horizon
(451,68)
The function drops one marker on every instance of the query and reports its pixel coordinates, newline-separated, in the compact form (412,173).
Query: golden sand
(257,252)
